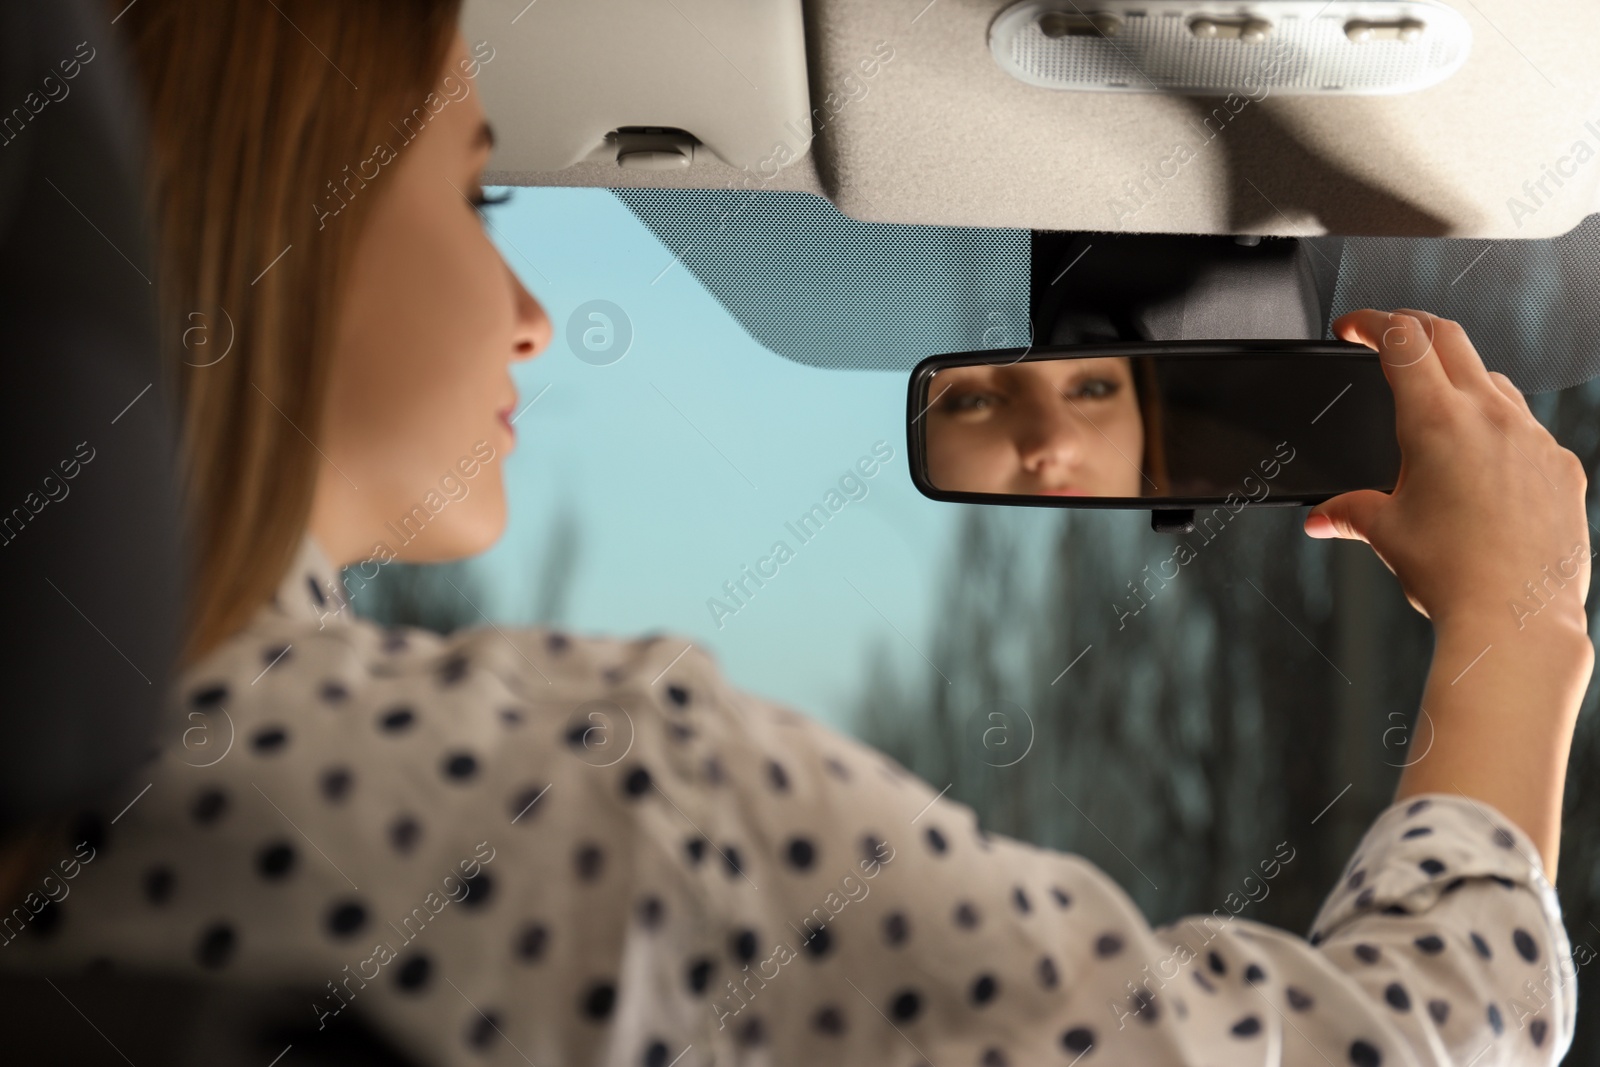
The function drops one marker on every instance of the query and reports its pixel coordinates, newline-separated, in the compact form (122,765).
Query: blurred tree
(1183,698)
(1573,415)
(558,568)
(444,597)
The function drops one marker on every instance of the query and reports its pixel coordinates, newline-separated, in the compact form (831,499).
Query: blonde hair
(256,112)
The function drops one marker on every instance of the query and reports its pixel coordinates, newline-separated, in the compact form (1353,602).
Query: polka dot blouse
(509,847)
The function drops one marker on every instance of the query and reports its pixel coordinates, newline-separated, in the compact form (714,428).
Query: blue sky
(684,459)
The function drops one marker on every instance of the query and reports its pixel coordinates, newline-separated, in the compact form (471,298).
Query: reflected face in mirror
(1063,427)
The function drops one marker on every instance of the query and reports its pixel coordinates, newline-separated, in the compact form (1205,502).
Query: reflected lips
(1067,491)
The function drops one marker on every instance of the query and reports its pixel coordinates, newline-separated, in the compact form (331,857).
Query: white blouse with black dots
(510,847)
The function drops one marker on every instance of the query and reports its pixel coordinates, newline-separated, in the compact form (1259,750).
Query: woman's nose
(533,329)
(1054,438)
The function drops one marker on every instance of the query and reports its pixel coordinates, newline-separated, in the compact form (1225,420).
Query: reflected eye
(969,403)
(1095,389)
(482,202)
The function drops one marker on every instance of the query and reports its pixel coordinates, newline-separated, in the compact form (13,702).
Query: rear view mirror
(1170,426)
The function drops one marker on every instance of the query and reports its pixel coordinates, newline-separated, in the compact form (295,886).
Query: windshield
(1172,713)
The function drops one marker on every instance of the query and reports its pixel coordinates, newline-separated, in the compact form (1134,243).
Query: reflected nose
(1052,440)
(533,329)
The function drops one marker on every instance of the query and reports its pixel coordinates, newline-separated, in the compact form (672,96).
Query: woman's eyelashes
(976,401)
(482,201)
(971,402)
(1096,388)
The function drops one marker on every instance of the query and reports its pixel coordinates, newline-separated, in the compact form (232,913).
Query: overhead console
(1286,47)
(1407,118)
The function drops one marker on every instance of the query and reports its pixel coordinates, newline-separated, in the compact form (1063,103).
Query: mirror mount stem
(1172,520)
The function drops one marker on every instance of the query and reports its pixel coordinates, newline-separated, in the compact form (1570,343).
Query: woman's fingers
(1406,352)
(1349,515)
(1509,388)
(1456,352)
(1487,498)
(1430,363)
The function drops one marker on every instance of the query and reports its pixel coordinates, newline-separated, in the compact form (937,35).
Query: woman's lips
(1064,491)
(504,415)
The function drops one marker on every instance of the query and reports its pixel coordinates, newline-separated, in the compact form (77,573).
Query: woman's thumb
(1348,515)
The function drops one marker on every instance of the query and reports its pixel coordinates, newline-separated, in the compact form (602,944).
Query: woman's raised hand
(1488,534)
(1487,501)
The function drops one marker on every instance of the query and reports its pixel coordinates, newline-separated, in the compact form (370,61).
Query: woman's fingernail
(1319,525)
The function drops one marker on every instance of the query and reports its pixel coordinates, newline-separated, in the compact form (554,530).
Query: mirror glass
(1143,424)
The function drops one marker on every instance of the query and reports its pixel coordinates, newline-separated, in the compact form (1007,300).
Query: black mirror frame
(917,404)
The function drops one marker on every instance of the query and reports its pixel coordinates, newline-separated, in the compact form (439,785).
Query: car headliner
(939,134)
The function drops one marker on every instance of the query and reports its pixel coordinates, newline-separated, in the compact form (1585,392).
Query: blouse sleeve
(839,895)
(513,847)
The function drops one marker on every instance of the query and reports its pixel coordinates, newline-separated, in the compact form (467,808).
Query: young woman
(1067,427)
(523,847)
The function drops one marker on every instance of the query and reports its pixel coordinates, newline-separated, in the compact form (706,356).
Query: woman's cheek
(993,465)
(969,460)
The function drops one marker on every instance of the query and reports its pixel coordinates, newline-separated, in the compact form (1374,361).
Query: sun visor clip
(653,147)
